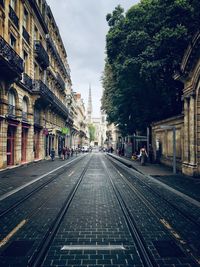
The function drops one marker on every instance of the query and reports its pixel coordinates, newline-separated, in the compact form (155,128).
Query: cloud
(83,27)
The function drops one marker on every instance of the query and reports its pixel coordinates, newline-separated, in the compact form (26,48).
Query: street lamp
(173,128)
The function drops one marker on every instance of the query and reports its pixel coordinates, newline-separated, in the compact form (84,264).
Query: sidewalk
(185,184)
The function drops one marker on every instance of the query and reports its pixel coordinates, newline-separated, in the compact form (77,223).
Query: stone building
(34,83)
(79,130)
(187,124)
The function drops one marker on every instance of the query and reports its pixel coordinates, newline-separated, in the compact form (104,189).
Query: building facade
(187,125)
(35,84)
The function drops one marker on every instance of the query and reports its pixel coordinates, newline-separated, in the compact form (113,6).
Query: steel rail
(37,259)
(37,189)
(187,249)
(144,253)
(183,213)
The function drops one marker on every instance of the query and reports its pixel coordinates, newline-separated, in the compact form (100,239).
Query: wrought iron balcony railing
(48,96)
(10,62)
(40,14)
(26,35)
(60,82)
(11,110)
(27,81)
(13,16)
(24,116)
(41,54)
(56,54)
(2,3)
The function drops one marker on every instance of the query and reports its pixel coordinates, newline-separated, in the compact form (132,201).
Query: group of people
(64,153)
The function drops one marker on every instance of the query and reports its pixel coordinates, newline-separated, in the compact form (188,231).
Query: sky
(83,28)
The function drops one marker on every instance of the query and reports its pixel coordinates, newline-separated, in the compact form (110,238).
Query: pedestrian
(64,152)
(143,155)
(52,154)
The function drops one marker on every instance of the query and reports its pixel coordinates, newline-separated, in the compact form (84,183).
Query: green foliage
(144,48)
(91,129)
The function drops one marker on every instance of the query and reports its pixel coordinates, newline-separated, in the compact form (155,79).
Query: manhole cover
(17,248)
(168,249)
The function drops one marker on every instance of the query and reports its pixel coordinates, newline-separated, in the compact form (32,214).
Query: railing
(40,15)
(56,54)
(2,3)
(11,56)
(24,116)
(11,110)
(13,16)
(26,35)
(27,80)
(41,54)
(60,81)
(48,96)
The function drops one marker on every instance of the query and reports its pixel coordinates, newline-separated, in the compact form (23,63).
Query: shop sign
(65,130)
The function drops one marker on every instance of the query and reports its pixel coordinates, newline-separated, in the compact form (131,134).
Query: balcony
(11,111)
(13,16)
(56,54)
(11,64)
(48,96)
(40,15)
(26,35)
(60,82)
(41,55)
(27,81)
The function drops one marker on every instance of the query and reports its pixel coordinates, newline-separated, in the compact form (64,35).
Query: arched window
(24,109)
(11,103)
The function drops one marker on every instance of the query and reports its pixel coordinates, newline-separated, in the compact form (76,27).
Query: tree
(144,48)
(91,129)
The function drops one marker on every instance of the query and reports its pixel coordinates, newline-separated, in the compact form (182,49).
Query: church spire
(89,109)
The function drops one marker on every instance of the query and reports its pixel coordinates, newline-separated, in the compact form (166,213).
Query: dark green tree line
(144,48)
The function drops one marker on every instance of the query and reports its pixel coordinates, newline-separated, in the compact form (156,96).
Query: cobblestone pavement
(95,220)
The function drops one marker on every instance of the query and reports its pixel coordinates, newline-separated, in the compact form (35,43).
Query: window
(25,57)
(11,103)
(36,71)
(13,4)
(24,109)
(35,33)
(12,41)
(25,22)
(25,105)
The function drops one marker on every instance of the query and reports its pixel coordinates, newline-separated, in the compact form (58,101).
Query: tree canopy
(144,47)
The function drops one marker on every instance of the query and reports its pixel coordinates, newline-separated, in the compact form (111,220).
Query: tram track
(178,237)
(38,257)
(37,189)
(147,259)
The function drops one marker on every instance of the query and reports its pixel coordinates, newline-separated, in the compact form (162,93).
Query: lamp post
(173,128)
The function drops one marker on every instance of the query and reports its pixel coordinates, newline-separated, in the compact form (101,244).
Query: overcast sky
(83,27)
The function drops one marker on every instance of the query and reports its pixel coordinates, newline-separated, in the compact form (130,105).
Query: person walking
(143,155)
(64,152)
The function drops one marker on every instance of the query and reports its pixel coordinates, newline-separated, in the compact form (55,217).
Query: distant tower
(89,108)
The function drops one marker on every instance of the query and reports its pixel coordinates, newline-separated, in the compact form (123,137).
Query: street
(93,210)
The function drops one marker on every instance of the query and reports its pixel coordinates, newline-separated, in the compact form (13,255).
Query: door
(24,144)
(36,144)
(10,145)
